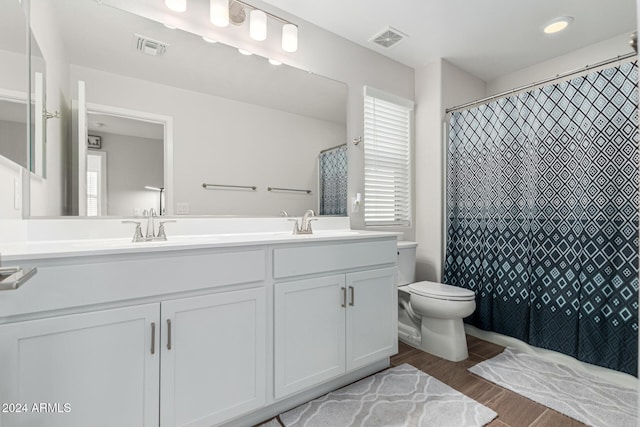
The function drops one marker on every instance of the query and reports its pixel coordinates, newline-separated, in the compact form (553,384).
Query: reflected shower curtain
(333,181)
(542,200)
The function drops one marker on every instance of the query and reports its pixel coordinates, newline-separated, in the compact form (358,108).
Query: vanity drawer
(106,279)
(303,260)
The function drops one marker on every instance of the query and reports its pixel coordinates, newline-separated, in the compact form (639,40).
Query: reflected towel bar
(249,187)
(288,189)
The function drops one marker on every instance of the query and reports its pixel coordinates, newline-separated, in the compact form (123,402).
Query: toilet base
(444,338)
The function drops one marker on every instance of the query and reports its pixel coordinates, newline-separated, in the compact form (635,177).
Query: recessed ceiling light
(558,24)
(209,40)
(274,62)
(245,52)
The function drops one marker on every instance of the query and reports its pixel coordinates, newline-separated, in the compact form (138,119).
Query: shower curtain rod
(333,148)
(531,85)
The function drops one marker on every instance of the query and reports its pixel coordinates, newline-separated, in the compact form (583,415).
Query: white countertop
(18,251)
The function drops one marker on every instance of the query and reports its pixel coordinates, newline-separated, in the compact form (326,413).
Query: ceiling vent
(150,46)
(388,37)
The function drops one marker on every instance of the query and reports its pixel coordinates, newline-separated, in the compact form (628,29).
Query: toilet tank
(406,262)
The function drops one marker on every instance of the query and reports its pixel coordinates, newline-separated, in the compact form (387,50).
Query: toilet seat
(441,291)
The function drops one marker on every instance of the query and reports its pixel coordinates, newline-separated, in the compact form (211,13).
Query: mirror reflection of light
(209,40)
(289,38)
(245,52)
(274,62)
(219,12)
(176,5)
(258,25)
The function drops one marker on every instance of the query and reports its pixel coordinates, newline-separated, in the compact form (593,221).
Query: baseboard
(263,414)
(616,377)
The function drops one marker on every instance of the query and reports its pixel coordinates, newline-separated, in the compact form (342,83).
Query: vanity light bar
(219,16)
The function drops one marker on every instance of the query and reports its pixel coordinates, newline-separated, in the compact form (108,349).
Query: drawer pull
(344,297)
(168,334)
(153,337)
(353,296)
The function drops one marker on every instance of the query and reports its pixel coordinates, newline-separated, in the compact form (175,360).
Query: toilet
(430,314)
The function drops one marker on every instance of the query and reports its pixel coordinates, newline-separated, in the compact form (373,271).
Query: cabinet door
(372,315)
(91,369)
(309,333)
(213,357)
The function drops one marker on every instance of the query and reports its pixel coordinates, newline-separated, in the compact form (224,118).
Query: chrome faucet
(151,229)
(150,235)
(306,221)
(305,227)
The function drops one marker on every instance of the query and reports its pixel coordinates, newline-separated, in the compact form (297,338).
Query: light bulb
(219,12)
(289,38)
(258,25)
(558,24)
(176,5)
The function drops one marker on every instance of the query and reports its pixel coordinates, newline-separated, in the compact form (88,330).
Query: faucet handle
(296,225)
(137,234)
(309,230)
(162,235)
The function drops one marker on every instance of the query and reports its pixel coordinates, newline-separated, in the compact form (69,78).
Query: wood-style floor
(513,410)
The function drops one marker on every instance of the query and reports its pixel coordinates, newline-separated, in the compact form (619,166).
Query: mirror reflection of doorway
(135,152)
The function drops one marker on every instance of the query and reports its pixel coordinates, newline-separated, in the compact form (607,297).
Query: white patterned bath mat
(576,394)
(400,396)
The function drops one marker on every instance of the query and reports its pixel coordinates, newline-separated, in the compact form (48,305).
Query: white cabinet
(309,332)
(329,325)
(372,314)
(92,369)
(213,357)
(204,364)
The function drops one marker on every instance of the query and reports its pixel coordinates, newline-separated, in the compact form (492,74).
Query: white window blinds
(387,158)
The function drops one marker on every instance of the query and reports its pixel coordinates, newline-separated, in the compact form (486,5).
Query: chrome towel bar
(249,187)
(288,189)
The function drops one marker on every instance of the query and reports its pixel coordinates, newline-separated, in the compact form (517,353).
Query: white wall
(13,136)
(438,86)
(132,164)
(580,58)
(221,141)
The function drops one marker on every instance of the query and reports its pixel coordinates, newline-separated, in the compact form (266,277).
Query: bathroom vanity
(197,331)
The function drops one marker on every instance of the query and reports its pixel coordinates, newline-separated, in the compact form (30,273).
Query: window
(387,158)
(96,183)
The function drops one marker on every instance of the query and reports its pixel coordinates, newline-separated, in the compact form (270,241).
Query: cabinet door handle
(168,334)
(353,296)
(344,297)
(153,337)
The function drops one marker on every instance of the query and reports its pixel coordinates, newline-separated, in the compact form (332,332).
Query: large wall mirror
(14,84)
(159,116)
(22,118)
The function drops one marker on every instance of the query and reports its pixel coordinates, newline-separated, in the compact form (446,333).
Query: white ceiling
(488,38)
(104,123)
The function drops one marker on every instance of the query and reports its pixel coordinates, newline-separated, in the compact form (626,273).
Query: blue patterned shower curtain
(542,200)
(333,181)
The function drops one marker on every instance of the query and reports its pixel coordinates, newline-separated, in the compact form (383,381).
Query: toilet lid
(441,291)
